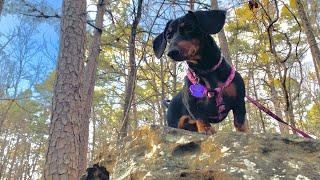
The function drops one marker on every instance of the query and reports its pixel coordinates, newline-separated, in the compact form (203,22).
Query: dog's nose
(173,54)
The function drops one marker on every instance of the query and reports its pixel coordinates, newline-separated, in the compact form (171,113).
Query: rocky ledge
(154,152)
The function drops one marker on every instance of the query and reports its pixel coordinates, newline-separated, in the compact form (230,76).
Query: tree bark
(135,112)
(275,101)
(94,124)
(191,4)
(163,93)
(1,5)
(14,157)
(90,77)
(174,63)
(315,52)
(63,158)
(222,37)
(256,96)
(132,77)
(5,145)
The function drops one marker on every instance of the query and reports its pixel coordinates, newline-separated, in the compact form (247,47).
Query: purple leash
(274,116)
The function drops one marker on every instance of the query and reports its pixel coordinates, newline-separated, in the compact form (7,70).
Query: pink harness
(217,92)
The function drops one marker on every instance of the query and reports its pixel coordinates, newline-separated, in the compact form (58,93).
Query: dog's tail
(166,103)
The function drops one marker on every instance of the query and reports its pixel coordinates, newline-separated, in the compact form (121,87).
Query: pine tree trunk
(94,124)
(315,52)
(64,157)
(1,5)
(90,76)
(222,37)
(132,77)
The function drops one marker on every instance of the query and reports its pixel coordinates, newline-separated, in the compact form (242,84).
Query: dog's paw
(242,127)
(205,128)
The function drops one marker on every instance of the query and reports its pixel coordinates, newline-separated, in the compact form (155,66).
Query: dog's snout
(173,54)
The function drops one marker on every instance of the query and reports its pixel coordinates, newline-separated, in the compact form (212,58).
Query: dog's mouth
(193,59)
(176,55)
(190,55)
(190,59)
(185,51)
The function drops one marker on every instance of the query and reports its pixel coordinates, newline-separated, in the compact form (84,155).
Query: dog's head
(185,34)
(96,172)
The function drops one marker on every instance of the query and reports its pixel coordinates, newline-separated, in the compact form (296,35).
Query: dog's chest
(217,105)
(210,106)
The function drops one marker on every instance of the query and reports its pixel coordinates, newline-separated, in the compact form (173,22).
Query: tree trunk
(35,162)
(94,124)
(174,63)
(1,5)
(286,95)
(315,52)
(131,82)
(163,93)
(256,96)
(313,17)
(157,104)
(279,64)
(222,37)
(90,77)
(3,159)
(14,157)
(63,158)
(135,112)
(174,76)
(275,101)
(191,5)
(21,169)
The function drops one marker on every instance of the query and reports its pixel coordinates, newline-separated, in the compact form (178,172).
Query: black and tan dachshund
(212,87)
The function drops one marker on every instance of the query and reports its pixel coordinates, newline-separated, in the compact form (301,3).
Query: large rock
(154,152)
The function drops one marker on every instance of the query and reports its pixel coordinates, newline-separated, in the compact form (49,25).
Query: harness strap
(216,92)
(219,90)
(217,65)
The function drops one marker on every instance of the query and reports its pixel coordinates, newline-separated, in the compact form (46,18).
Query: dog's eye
(186,28)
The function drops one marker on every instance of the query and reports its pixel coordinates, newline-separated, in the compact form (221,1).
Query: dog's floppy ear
(160,42)
(211,21)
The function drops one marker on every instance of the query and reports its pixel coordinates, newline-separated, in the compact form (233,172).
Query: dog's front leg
(242,127)
(205,128)
(239,115)
(185,122)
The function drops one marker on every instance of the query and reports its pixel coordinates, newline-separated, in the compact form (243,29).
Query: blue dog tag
(197,90)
